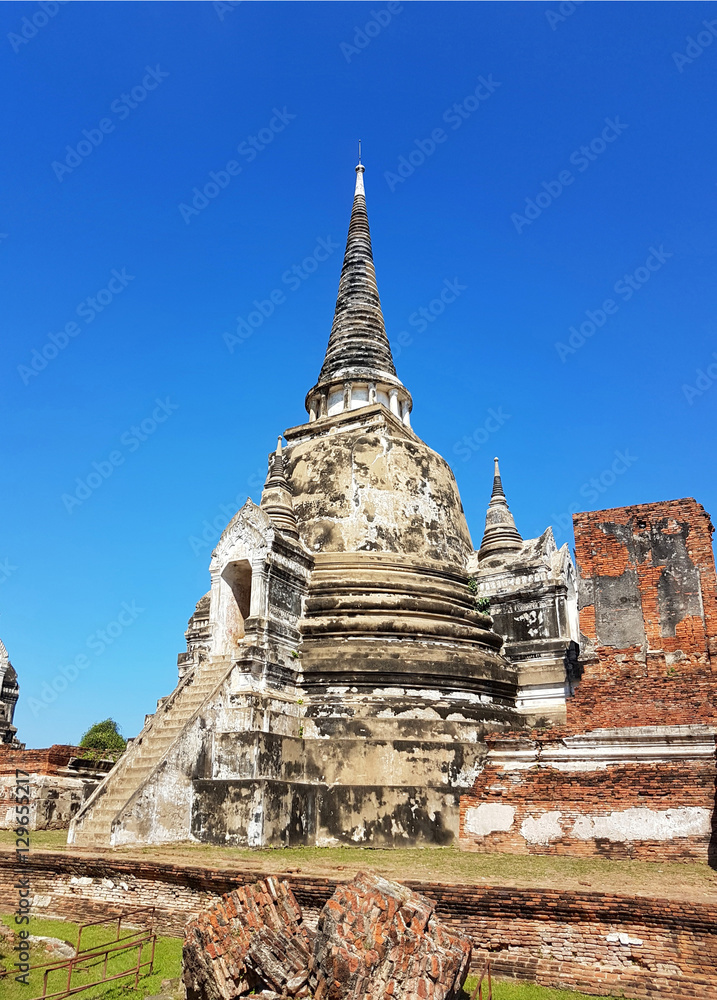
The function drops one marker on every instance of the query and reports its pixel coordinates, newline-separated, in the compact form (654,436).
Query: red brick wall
(666,673)
(569,795)
(46,761)
(553,938)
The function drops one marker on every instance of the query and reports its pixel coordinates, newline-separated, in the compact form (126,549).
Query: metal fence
(141,939)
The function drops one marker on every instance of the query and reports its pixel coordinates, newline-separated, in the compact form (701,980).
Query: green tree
(104,736)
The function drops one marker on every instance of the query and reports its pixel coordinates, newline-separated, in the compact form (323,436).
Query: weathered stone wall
(298,814)
(648,608)
(643,794)
(607,944)
(632,775)
(60,781)
(386,638)
(363,481)
(270,788)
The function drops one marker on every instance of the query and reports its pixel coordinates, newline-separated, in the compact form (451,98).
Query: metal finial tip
(359,142)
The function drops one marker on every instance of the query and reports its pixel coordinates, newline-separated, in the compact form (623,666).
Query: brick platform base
(604,944)
(645,793)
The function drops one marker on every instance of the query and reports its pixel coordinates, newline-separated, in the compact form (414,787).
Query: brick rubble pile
(374,938)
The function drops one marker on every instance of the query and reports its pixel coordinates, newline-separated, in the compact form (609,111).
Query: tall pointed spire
(358,355)
(276,496)
(358,344)
(501,534)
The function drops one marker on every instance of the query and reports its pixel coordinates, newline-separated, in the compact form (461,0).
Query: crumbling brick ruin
(252,937)
(60,777)
(648,615)
(633,774)
(373,938)
(616,944)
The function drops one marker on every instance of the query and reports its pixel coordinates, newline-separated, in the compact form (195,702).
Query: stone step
(165,727)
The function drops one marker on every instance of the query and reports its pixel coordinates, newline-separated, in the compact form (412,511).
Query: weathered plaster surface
(54,800)
(372,485)
(644,824)
(542,829)
(489,817)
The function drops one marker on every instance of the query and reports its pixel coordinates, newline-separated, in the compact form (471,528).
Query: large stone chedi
(339,676)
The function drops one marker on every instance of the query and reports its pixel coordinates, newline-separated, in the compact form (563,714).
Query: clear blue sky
(634,224)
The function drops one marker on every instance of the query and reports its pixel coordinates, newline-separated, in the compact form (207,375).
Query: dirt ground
(689,881)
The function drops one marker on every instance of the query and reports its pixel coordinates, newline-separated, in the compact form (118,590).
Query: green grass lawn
(167,964)
(525,991)
(52,840)
(689,880)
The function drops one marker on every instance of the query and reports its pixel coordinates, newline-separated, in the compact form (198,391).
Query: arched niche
(237,576)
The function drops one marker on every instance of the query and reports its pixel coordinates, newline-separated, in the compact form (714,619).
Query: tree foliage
(104,735)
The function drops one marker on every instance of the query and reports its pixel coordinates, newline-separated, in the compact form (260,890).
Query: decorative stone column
(347,395)
(312,410)
(259,603)
(406,413)
(372,392)
(393,401)
(323,408)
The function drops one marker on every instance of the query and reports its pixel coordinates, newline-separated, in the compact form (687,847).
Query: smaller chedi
(531,587)
(343,669)
(9,692)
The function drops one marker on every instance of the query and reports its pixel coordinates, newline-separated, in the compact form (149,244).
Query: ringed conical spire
(276,496)
(358,343)
(358,356)
(501,534)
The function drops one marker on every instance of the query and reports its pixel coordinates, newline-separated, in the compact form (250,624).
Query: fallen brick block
(378,939)
(250,939)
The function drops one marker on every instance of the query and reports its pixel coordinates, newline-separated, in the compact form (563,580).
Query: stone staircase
(93,824)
